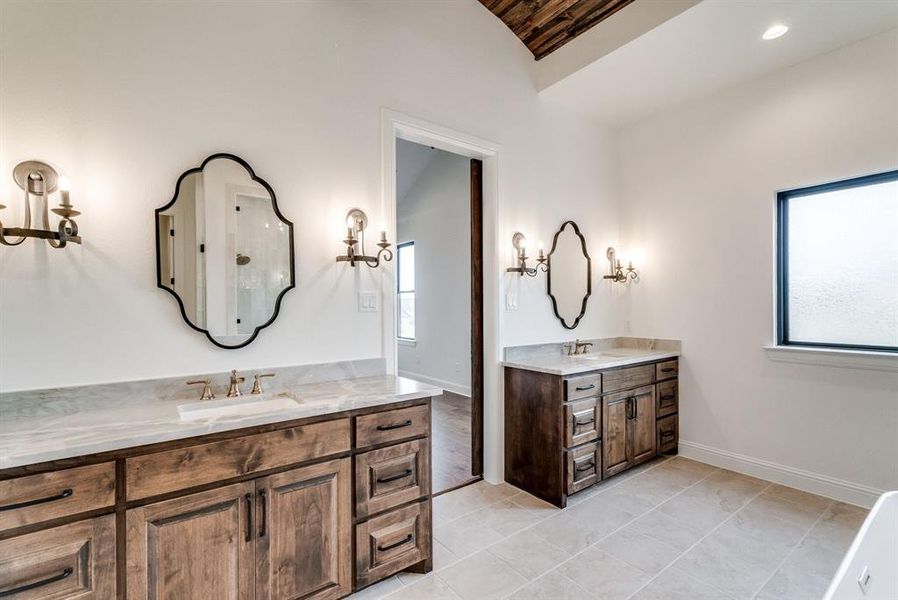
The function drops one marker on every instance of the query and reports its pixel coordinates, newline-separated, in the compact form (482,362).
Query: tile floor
(671,529)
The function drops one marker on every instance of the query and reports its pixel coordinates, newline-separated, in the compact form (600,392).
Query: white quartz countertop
(561,364)
(66,426)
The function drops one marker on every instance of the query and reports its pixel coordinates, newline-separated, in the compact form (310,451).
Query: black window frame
(399,292)
(782,254)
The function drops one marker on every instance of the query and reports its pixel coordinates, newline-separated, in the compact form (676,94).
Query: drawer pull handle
(671,397)
(402,475)
(63,494)
(668,369)
(587,467)
(585,422)
(249,516)
(394,426)
(585,387)
(31,586)
(264,518)
(407,539)
(667,434)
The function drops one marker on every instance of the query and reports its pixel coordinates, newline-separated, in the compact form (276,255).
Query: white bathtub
(869,570)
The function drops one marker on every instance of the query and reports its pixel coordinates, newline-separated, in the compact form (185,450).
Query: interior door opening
(439,299)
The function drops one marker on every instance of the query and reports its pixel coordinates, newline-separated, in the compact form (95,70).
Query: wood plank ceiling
(546,25)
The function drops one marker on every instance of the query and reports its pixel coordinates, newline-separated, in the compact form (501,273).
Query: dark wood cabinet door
(615,410)
(642,431)
(196,547)
(61,563)
(304,529)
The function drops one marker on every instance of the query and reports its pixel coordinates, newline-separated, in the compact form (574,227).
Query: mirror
(569,280)
(224,250)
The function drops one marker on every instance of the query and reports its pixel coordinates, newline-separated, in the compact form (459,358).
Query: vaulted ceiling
(546,25)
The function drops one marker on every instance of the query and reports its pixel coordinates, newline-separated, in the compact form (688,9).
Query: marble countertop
(561,364)
(61,425)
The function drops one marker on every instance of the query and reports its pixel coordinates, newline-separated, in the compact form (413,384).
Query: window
(837,265)
(405,265)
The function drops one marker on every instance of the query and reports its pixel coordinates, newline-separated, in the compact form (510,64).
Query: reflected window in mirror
(225,251)
(405,290)
(569,280)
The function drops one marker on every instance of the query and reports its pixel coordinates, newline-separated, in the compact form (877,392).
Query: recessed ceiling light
(775,31)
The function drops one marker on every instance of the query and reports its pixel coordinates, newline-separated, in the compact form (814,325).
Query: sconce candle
(617,272)
(39,179)
(358,222)
(518,241)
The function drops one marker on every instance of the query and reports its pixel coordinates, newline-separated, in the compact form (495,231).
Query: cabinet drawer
(583,387)
(391,476)
(36,498)
(630,377)
(668,433)
(582,467)
(582,421)
(154,474)
(392,425)
(668,398)
(71,561)
(392,542)
(667,369)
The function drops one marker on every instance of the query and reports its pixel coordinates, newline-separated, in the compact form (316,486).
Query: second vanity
(313,502)
(575,415)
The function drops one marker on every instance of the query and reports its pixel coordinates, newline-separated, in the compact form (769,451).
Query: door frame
(486,407)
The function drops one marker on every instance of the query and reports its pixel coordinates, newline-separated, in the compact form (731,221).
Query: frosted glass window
(405,265)
(839,264)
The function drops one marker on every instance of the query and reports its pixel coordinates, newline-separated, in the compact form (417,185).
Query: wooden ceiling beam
(546,25)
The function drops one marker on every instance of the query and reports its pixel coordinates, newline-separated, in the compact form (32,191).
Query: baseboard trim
(463,390)
(815,483)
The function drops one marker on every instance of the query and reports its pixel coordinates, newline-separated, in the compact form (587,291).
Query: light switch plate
(511,301)
(367,301)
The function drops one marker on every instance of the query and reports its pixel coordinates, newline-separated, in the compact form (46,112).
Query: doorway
(439,299)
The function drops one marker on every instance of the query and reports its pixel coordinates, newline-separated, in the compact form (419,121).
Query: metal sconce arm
(522,269)
(617,273)
(353,256)
(39,179)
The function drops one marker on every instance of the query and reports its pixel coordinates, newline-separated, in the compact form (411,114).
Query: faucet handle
(257,382)
(207,388)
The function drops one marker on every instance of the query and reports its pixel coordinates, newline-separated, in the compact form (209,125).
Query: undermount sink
(603,355)
(242,406)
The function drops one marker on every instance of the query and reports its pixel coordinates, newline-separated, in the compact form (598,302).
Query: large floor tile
(770,531)
(735,563)
(442,556)
(430,587)
(529,554)
(803,514)
(692,466)
(669,530)
(838,526)
(697,513)
(605,577)
(798,497)
(792,582)
(482,577)
(535,505)
(646,553)
(728,490)
(464,537)
(674,584)
(505,517)
(378,590)
(552,586)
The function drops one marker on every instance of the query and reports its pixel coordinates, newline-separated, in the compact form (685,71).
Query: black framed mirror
(569,280)
(224,251)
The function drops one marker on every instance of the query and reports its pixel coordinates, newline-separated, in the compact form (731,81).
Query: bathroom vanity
(572,420)
(311,502)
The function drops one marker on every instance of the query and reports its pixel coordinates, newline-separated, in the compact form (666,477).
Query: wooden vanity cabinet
(266,513)
(564,434)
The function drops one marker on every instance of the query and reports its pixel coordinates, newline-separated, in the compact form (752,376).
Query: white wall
(698,189)
(436,215)
(131,94)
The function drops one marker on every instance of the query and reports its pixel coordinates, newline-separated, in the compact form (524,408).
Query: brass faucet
(257,382)
(579,347)
(234,387)
(207,388)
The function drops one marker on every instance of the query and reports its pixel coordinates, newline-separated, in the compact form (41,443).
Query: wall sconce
(519,242)
(617,273)
(39,179)
(356,223)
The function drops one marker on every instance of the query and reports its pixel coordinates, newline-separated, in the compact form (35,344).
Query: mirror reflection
(569,279)
(225,251)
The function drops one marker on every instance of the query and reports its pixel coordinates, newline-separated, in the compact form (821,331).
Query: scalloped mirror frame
(576,230)
(274,206)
